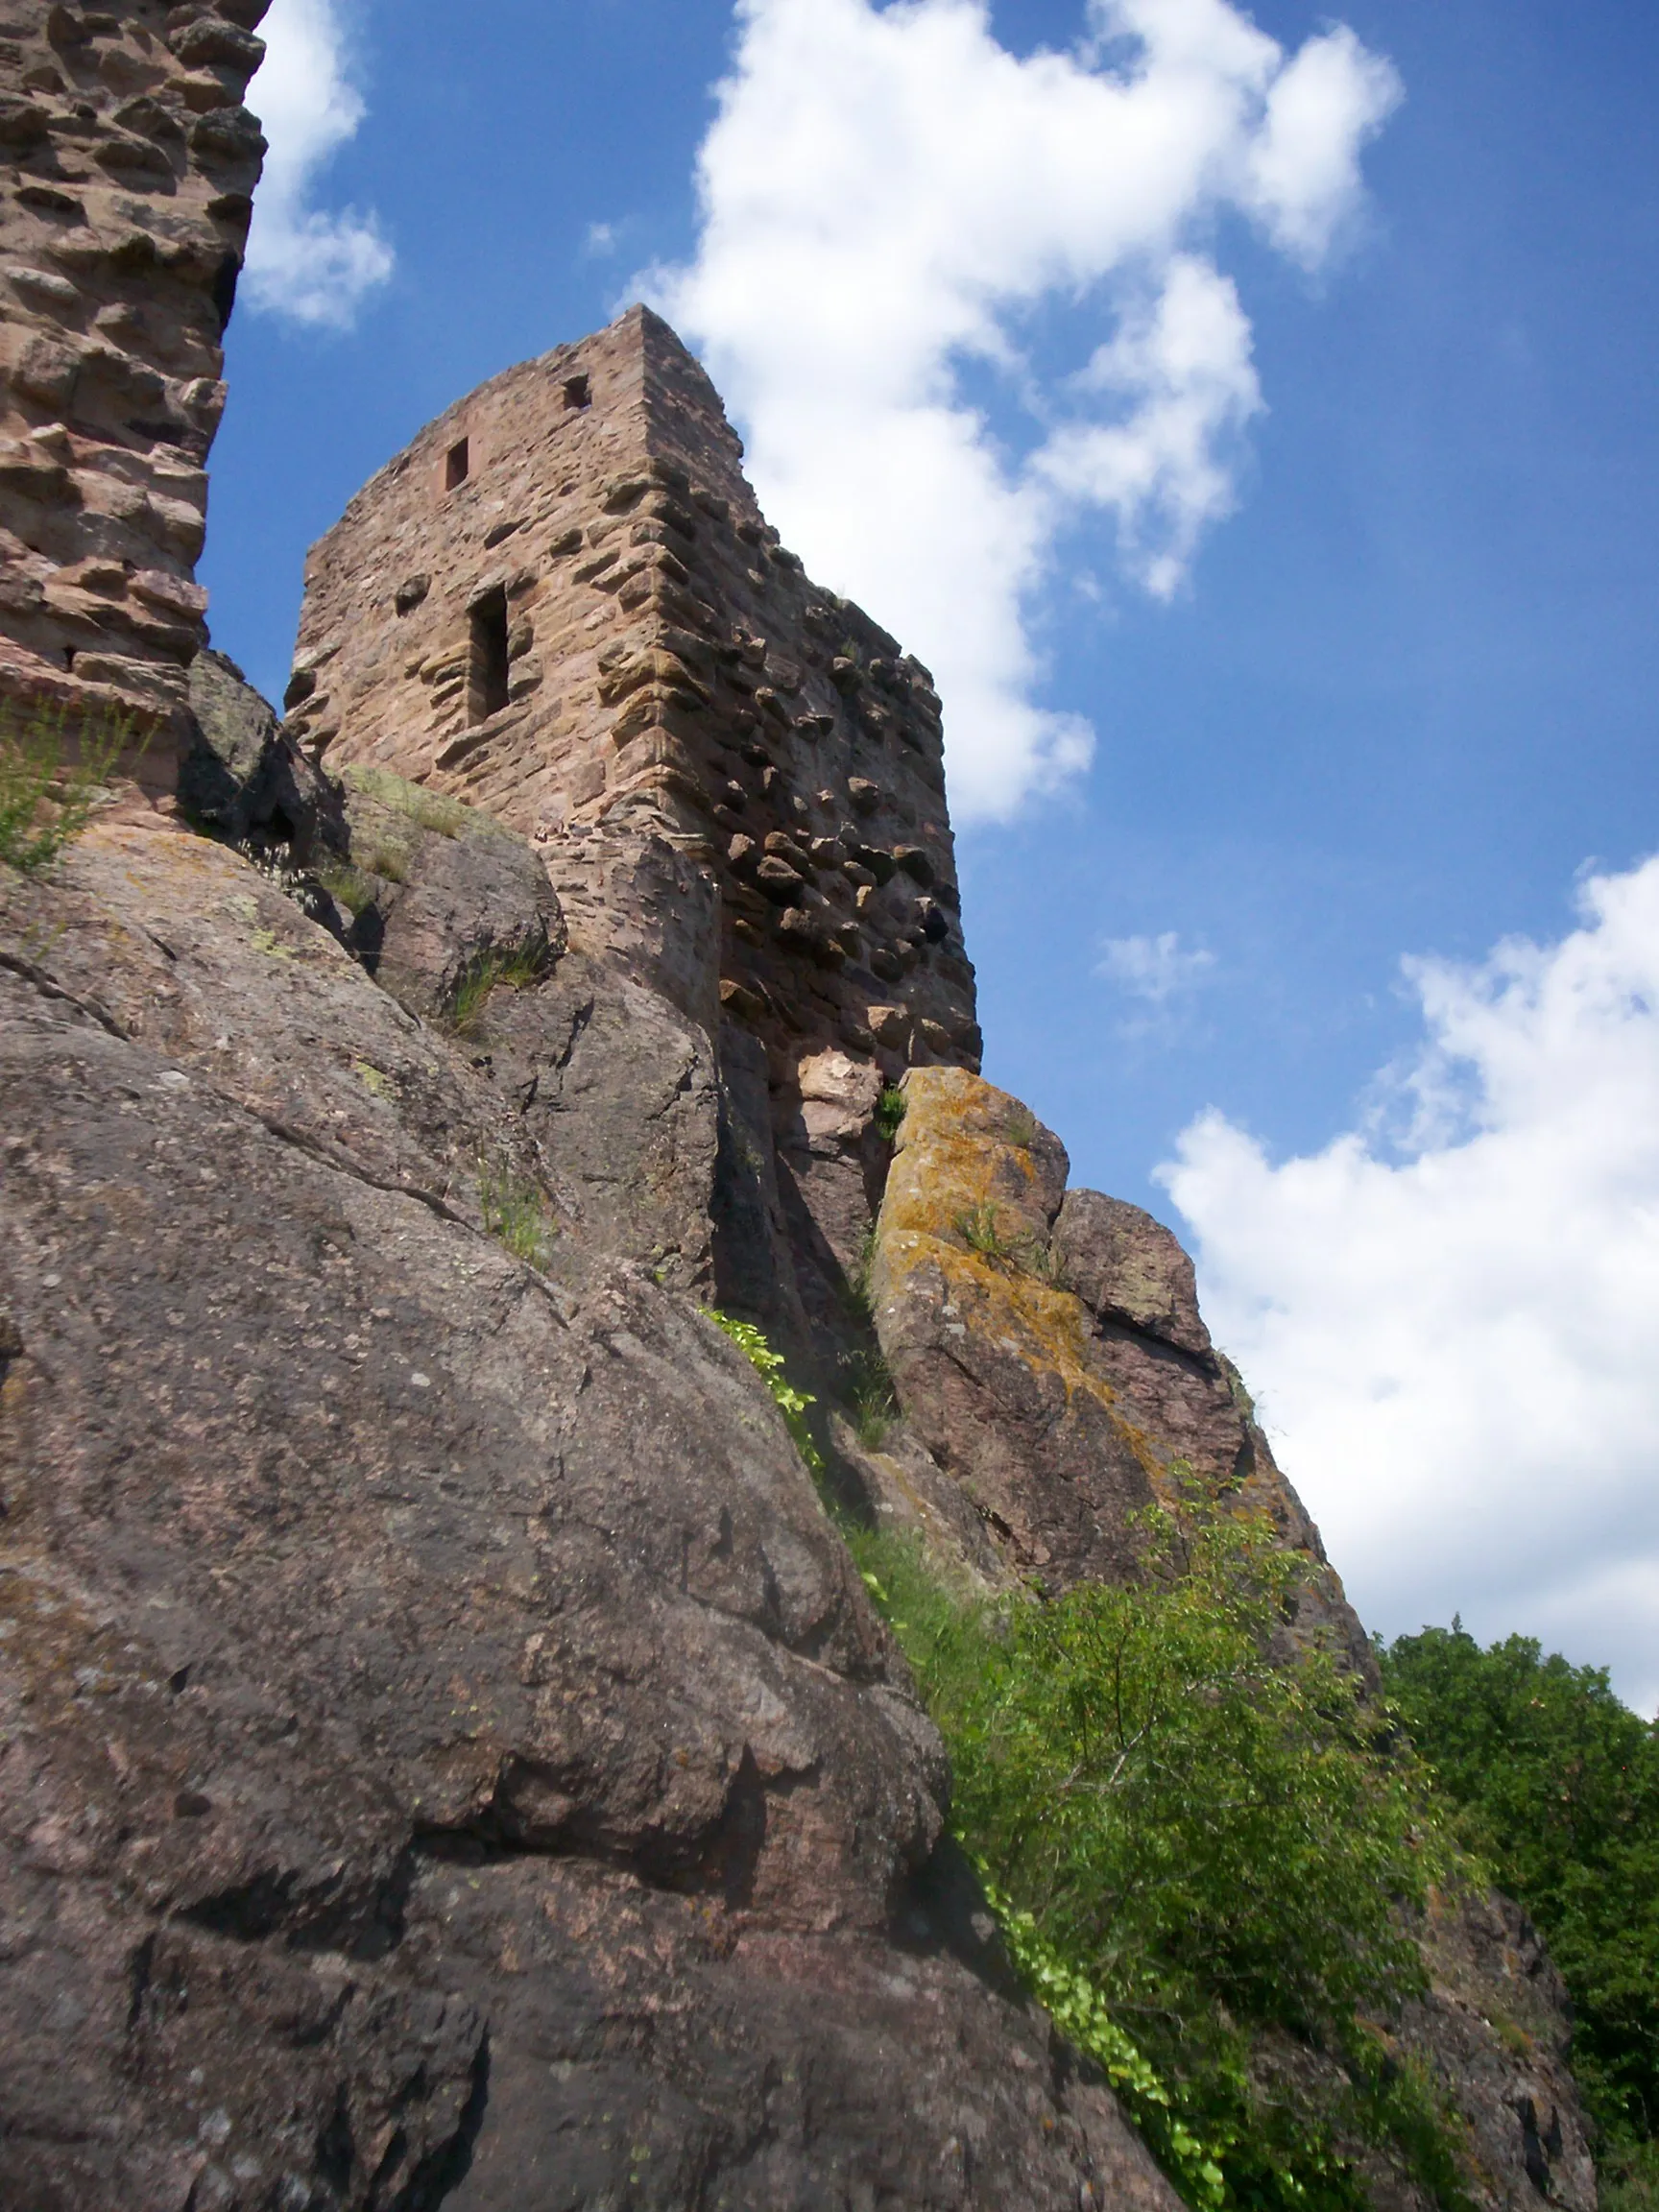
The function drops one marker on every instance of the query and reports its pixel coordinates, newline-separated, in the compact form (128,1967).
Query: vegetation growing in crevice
(495,969)
(867,1388)
(515,1212)
(426,809)
(1557,1784)
(773,1370)
(889,1113)
(46,797)
(980,1230)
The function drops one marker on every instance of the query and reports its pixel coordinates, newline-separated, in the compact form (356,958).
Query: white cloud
(601,239)
(888,197)
(1456,1336)
(303,262)
(1155,969)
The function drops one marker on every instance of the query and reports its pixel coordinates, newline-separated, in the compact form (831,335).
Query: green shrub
(1558,1787)
(1021,1128)
(870,1395)
(1207,1843)
(45,804)
(348,886)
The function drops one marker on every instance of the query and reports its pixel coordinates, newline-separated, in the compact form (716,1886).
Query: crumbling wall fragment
(126,170)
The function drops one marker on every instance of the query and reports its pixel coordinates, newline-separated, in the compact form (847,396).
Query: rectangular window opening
(486,666)
(456,463)
(578,392)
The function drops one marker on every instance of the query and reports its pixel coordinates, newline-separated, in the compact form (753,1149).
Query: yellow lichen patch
(954,1159)
(973,1186)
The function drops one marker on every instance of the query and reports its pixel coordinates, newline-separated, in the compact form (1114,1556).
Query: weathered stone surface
(991,1361)
(616,1089)
(1128,1268)
(448,1753)
(456,897)
(1049,1351)
(244,779)
(122,226)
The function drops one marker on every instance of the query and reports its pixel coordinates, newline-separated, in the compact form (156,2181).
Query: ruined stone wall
(126,169)
(562,603)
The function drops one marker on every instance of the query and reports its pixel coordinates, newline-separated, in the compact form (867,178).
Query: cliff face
(447,1754)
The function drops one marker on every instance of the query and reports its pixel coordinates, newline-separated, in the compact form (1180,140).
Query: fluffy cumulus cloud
(889,199)
(305,262)
(1454,1330)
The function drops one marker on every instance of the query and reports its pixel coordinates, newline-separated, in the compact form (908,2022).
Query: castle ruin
(562,604)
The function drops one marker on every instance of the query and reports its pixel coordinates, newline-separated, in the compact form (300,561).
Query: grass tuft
(516,1214)
(890,1110)
(493,970)
(429,809)
(870,1395)
(45,800)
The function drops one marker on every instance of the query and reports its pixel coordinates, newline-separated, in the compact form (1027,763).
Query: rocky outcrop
(127,164)
(448,1755)
(1049,1350)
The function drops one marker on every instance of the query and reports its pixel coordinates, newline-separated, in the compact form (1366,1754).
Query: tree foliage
(1196,1837)
(1558,1787)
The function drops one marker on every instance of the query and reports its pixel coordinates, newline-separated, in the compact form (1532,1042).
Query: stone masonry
(126,169)
(562,604)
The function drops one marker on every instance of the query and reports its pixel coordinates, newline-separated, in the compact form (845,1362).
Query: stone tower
(562,604)
(126,171)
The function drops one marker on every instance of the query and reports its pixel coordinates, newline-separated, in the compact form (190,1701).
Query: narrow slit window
(487,671)
(457,464)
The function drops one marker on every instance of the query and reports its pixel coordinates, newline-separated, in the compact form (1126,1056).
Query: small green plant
(889,1112)
(44,803)
(1021,1128)
(493,969)
(770,1366)
(390,862)
(858,1276)
(979,1230)
(870,1395)
(515,1214)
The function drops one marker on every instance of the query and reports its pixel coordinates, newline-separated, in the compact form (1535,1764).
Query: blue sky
(1400,699)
